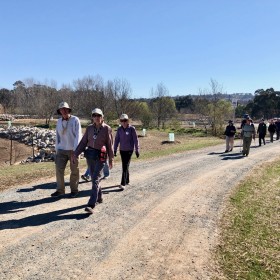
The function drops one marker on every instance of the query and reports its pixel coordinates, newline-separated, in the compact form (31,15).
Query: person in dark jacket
(127,138)
(272,130)
(262,132)
(277,123)
(230,132)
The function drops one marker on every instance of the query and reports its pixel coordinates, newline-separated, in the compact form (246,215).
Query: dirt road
(163,226)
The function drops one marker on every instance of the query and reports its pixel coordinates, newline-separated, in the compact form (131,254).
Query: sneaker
(89,209)
(100,200)
(57,194)
(85,178)
(122,187)
(106,177)
(74,194)
(226,151)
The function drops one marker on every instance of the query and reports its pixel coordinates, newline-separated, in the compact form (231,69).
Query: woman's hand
(74,159)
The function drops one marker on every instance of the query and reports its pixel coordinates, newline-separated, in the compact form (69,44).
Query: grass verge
(250,236)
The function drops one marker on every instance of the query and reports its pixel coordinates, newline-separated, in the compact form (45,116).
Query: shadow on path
(231,156)
(18,206)
(47,186)
(42,219)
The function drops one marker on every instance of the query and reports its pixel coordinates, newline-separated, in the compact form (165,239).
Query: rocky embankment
(43,141)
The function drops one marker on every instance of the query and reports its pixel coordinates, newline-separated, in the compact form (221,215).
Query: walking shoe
(122,187)
(226,151)
(230,150)
(89,209)
(86,178)
(100,200)
(106,177)
(57,194)
(74,194)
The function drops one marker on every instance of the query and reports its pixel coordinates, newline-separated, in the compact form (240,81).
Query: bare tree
(89,93)
(215,110)
(162,106)
(121,91)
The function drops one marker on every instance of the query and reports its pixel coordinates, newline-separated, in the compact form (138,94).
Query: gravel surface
(163,226)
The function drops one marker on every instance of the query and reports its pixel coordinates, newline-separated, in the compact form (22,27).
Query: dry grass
(250,236)
(150,146)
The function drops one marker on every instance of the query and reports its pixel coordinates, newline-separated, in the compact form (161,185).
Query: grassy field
(250,228)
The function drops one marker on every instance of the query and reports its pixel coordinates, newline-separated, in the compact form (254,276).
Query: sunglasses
(123,120)
(95,116)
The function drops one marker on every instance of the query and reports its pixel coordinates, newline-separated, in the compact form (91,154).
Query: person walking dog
(127,138)
(68,136)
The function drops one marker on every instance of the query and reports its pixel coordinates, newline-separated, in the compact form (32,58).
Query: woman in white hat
(68,136)
(127,138)
(96,144)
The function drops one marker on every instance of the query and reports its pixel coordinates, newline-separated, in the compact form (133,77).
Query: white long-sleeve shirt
(68,134)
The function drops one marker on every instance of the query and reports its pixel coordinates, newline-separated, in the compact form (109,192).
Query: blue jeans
(95,169)
(106,170)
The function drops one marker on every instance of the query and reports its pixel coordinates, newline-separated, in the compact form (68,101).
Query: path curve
(163,226)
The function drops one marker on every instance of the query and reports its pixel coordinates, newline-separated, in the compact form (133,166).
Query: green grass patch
(250,236)
(179,146)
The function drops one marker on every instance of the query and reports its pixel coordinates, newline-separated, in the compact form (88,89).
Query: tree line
(114,98)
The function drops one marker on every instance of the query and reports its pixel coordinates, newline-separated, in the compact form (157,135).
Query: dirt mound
(19,152)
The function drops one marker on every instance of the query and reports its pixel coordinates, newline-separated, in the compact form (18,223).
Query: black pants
(271,136)
(261,137)
(126,156)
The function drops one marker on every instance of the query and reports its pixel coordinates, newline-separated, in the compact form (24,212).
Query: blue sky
(180,43)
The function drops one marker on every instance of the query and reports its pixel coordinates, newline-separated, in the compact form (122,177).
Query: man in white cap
(68,136)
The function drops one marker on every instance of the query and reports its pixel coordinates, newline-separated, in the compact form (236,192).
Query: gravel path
(163,226)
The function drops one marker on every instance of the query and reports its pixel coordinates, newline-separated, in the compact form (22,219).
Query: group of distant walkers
(98,147)
(248,133)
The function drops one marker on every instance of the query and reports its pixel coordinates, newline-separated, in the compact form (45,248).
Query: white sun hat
(61,105)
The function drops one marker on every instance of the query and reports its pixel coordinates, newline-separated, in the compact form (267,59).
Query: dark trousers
(95,170)
(271,136)
(261,137)
(126,157)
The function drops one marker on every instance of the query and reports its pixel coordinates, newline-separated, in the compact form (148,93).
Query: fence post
(11,148)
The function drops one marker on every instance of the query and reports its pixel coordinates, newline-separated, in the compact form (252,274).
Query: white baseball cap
(97,111)
(124,117)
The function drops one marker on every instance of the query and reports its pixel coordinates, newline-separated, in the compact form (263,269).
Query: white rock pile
(43,141)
